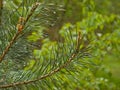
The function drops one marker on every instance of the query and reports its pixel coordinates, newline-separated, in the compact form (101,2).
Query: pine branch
(59,57)
(72,57)
(20,26)
(9,46)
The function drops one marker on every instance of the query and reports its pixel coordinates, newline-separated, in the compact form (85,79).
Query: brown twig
(32,10)
(50,73)
(20,26)
(9,46)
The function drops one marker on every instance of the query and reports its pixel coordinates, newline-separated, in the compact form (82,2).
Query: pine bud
(19,27)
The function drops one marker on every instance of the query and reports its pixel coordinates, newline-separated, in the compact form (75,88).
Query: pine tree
(23,65)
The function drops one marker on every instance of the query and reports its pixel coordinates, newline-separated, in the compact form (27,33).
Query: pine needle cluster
(22,66)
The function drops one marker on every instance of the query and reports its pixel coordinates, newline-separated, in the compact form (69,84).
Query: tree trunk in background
(1,6)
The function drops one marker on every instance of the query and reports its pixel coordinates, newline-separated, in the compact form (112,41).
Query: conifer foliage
(22,65)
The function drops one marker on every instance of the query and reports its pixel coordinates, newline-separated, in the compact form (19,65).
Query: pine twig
(20,26)
(50,73)
(9,46)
